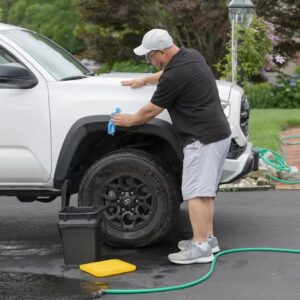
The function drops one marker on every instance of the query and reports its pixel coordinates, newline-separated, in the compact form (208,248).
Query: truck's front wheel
(141,197)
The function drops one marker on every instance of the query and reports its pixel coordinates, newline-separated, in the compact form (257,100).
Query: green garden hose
(278,161)
(197,281)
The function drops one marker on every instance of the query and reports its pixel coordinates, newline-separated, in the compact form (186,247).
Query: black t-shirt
(188,90)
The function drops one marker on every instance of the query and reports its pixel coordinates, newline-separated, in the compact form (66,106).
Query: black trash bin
(79,229)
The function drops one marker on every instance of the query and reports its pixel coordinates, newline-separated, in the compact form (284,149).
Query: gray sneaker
(191,255)
(212,242)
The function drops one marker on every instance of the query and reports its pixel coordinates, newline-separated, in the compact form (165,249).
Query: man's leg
(202,168)
(201,217)
(210,230)
(199,251)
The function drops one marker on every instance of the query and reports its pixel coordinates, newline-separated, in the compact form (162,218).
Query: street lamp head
(241,12)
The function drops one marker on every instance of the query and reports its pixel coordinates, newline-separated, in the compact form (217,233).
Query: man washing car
(187,89)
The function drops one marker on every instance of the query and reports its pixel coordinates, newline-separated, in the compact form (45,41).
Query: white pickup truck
(53,127)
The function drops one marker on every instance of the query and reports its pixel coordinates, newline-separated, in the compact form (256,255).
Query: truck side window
(6,57)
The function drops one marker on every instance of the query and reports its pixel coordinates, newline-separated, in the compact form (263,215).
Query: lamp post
(240,12)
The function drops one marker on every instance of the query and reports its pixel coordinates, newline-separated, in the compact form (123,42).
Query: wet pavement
(32,265)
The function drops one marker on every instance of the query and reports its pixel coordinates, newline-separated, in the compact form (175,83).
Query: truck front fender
(93,124)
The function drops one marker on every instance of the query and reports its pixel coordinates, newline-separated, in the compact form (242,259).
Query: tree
(198,24)
(113,28)
(56,19)
(261,44)
(285,15)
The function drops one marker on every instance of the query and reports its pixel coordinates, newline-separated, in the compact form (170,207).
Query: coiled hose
(277,161)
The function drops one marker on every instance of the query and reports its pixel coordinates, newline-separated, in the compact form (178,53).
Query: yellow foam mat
(107,267)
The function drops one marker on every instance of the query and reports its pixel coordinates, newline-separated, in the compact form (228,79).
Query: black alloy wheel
(140,196)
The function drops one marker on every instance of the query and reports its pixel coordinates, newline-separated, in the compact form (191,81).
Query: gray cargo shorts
(202,168)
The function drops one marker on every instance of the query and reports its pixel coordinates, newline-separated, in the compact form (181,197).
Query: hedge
(285,93)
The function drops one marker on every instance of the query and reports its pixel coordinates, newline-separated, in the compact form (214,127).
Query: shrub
(255,51)
(260,95)
(287,91)
(284,94)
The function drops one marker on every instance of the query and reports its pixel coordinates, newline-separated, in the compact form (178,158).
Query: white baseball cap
(155,39)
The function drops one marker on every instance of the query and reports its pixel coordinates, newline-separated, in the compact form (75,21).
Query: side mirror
(14,75)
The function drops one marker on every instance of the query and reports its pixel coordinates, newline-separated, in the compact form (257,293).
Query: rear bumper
(238,168)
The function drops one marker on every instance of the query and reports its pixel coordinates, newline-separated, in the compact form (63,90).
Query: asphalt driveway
(32,267)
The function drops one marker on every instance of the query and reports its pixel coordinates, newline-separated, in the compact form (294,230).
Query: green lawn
(266,125)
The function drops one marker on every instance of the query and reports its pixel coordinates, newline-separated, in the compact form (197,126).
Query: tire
(142,198)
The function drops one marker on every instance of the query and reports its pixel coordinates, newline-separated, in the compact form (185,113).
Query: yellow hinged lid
(107,267)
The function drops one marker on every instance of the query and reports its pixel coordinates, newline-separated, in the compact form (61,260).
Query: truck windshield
(56,60)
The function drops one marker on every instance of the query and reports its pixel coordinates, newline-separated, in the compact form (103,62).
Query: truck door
(25,148)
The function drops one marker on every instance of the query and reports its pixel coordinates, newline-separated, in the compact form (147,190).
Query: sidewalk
(292,153)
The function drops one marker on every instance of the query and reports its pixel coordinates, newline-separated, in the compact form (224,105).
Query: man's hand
(134,83)
(144,115)
(140,82)
(124,120)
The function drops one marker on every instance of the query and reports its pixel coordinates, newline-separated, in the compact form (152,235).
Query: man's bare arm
(140,82)
(145,114)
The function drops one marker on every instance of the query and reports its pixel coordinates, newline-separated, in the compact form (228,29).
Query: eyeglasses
(149,55)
